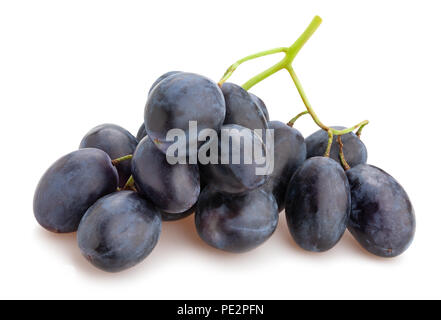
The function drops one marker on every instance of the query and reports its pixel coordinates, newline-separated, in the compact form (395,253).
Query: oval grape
(236,222)
(119,231)
(318,203)
(382,217)
(70,186)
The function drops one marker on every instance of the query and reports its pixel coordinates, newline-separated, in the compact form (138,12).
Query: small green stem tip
(293,120)
(121,159)
(130,184)
(358,133)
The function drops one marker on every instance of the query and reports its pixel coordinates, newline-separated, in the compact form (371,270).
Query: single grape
(236,222)
(119,231)
(70,186)
(173,188)
(165,75)
(260,104)
(141,132)
(318,203)
(382,217)
(290,153)
(116,142)
(353,148)
(236,176)
(241,108)
(181,98)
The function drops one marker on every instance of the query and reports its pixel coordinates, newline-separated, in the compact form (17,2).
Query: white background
(66,66)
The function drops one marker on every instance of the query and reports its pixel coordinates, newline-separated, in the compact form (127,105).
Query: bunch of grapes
(116,190)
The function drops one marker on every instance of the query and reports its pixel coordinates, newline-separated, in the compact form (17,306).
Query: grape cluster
(117,206)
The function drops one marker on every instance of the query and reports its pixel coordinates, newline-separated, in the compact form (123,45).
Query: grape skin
(119,231)
(179,99)
(261,105)
(382,218)
(289,155)
(241,108)
(172,188)
(238,177)
(165,75)
(70,186)
(236,222)
(141,131)
(116,142)
(178,216)
(318,204)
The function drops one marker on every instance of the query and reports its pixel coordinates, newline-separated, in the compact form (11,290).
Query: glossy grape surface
(119,231)
(382,217)
(181,98)
(172,188)
(116,142)
(353,148)
(236,223)
(241,108)
(260,104)
(318,203)
(289,155)
(239,176)
(70,186)
(142,132)
(165,75)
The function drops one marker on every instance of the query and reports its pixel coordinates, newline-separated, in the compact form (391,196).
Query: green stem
(235,65)
(361,128)
(121,159)
(130,184)
(291,53)
(293,120)
(328,148)
(305,100)
(314,115)
(286,63)
(342,155)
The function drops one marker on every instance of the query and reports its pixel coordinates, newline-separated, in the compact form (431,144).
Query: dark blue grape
(241,108)
(119,231)
(181,98)
(260,104)
(70,186)
(290,153)
(236,223)
(165,75)
(236,177)
(353,148)
(382,218)
(172,188)
(141,132)
(318,203)
(116,142)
